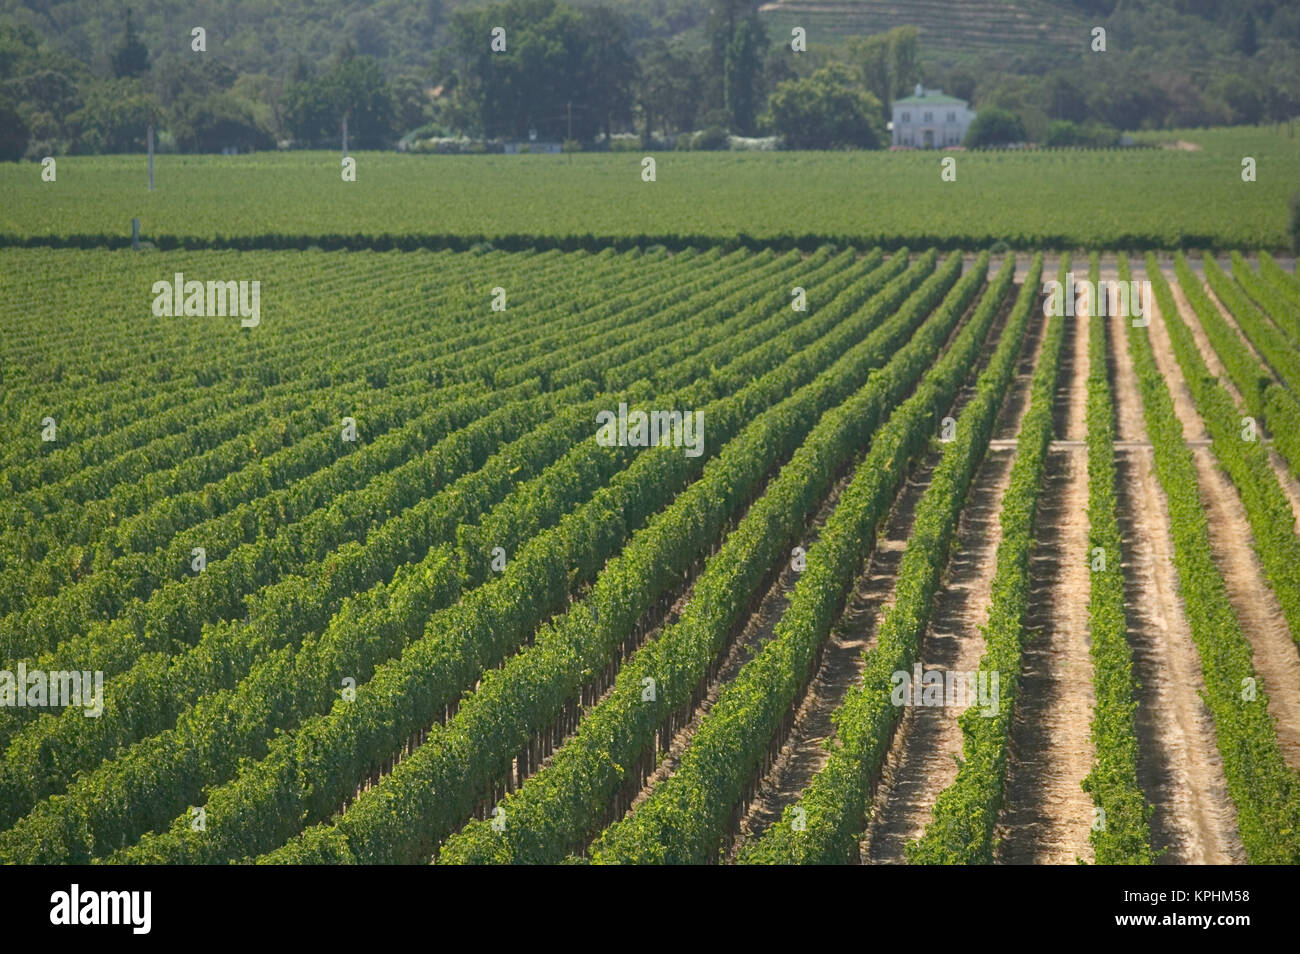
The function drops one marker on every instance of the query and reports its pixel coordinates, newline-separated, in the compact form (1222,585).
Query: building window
(907,117)
(929,117)
(952,117)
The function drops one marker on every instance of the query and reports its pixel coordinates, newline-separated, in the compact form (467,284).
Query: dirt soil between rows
(922,761)
(1047,815)
(1179,768)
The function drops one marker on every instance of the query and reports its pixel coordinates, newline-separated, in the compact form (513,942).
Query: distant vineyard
(987,26)
(367,581)
(1135,198)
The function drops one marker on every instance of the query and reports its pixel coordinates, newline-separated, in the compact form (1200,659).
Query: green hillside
(1026,34)
(946,27)
(253,36)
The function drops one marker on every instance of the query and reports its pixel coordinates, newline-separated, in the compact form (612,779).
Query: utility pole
(345,135)
(150,156)
(570,105)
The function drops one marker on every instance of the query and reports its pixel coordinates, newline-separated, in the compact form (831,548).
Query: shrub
(712,139)
(994,126)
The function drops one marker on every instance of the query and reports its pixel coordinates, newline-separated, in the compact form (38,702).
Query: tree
(131,58)
(557,62)
(669,91)
(994,126)
(115,117)
(738,43)
(827,111)
(354,87)
(1246,40)
(1129,101)
(1241,98)
(13,133)
(743,73)
(19,50)
(174,78)
(889,64)
(215,121)
(412,102)
(721,29)
(610,68)
(1062,98)
(904,60)
(872,56)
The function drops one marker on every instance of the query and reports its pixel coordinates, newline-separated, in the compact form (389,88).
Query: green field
(429,597)
(363,579)
(1164,198)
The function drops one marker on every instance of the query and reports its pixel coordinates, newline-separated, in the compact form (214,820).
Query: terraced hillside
(998,27)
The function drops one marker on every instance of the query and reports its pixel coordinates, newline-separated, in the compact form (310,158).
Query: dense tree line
(666,71)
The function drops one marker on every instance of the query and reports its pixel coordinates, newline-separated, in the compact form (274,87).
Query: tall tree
(669,88)
(872,56)
(904,60)
(890,63)
(730,67)
(743,73)
(131,58)
(610,68)
(1246,39)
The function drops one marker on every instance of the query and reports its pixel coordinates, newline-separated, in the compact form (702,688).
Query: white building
(930,120)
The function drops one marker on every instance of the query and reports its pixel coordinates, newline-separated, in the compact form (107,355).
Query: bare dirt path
(1179,767)
(1047,815)
(922,759)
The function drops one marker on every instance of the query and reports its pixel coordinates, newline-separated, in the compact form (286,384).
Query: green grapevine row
(961,830)
(1265,790)
(459,642)
(1272,522)
(831,811)
(685,819)
(1122,835)
(556,810)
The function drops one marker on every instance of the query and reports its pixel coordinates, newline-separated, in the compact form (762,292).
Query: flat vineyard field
(378,566)
(1123,198)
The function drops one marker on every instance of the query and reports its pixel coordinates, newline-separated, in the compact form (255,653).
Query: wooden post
(345,135)
(135,234)
(150,136)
